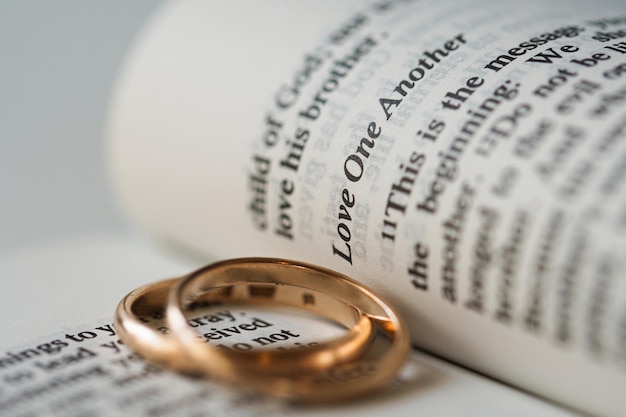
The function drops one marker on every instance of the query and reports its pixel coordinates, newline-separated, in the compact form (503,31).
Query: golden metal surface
(142,337)
(364,359)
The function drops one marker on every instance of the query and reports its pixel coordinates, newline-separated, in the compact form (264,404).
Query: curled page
(465,158)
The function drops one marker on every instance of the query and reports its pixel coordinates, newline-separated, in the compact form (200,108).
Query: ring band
(135,331)
(364,359)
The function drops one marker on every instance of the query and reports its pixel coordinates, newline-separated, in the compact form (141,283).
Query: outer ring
(165,348)
(301,374)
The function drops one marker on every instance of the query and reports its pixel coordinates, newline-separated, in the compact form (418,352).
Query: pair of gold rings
(364,358)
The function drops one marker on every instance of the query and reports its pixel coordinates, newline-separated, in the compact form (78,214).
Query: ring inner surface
(275,296)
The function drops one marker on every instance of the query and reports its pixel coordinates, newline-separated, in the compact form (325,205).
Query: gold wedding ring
(363,359)
(138,312)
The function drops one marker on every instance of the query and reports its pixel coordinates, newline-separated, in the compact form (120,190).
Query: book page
(464,158)
(61,356)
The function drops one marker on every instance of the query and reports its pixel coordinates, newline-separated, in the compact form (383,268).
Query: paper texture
(60,356)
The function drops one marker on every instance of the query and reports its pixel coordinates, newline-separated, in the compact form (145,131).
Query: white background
(58,63)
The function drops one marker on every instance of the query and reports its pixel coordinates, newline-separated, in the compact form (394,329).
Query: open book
(464,158)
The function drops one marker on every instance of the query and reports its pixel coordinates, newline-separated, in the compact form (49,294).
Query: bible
(466,159)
